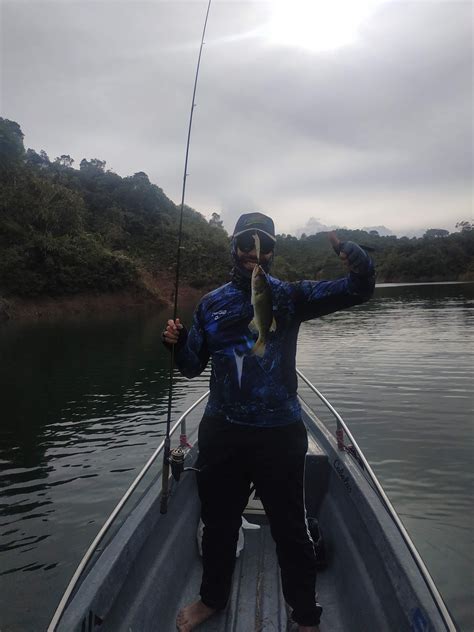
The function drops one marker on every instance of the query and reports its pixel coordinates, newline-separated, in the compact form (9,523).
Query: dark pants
(231,457)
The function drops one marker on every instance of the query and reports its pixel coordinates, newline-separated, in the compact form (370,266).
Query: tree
(45,157)
(465,226)
(37,161)
(216,221)
(64,161)
(12,150)
(33,159)
(93,165)
(435,233)
(141,176)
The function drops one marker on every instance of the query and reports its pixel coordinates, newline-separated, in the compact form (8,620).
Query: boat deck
(151,568)
(256,602)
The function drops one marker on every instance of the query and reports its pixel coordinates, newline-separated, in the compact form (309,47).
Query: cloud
(313,226)
(379,132)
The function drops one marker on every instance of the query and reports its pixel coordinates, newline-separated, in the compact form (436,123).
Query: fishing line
(167,442)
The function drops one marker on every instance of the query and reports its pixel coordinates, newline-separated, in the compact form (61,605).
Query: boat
(374,579)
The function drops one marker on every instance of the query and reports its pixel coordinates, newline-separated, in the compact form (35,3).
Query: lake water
(83,406)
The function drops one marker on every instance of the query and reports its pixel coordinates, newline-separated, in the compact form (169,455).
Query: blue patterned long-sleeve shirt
(246,388)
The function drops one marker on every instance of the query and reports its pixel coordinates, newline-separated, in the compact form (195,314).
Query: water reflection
(84,406)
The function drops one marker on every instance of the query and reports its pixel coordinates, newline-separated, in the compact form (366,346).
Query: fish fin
(258,348)
(273,325)
(253,326)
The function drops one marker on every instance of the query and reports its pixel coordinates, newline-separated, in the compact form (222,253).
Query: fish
(263,319)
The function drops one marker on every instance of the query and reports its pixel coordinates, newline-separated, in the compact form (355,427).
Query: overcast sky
(354,112)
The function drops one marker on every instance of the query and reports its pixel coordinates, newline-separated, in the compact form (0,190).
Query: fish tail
(259,348)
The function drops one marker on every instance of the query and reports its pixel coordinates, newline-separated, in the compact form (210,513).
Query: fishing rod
(167,442)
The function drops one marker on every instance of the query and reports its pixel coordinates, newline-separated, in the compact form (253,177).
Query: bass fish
(263,320)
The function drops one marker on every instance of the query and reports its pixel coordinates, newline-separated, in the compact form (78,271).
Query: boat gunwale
(341,424)
(73,582)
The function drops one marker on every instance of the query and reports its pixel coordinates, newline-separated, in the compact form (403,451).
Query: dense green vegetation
(66,231)
(437,256)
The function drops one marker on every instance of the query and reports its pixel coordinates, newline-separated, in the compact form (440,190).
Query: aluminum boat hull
(151,567)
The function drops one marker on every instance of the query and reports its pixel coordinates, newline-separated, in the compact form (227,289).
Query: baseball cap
(255,221)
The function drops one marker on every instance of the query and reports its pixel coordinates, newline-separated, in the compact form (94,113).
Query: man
(252,431)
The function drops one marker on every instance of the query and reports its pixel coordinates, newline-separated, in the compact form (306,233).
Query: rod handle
(165,476)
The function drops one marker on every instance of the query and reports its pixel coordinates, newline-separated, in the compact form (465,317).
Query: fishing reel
(176,462)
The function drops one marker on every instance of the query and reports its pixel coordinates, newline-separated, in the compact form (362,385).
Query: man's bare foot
(191,616)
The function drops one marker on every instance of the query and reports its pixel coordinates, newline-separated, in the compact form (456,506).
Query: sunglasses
(246,243)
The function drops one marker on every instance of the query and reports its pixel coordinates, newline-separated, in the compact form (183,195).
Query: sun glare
(318,25)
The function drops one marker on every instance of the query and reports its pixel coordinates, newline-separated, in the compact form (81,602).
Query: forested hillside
(67,231)
(437,256)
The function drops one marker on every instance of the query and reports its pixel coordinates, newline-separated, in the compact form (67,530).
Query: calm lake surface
(83,406)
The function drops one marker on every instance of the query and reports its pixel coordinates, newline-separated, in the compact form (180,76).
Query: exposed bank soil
(158,296)
(164,287)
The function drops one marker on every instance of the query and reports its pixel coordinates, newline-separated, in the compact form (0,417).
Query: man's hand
(352,255)
(171,333)
(335,243)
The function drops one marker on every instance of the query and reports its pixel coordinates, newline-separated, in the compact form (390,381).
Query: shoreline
(410,283)
(16,309)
